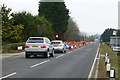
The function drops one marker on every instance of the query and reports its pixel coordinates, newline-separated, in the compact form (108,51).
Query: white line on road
(39,63)
(89,76)
(96,74)
(60,55)
(69,52)
(8,75)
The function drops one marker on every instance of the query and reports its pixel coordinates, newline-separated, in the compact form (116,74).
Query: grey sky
(92,16)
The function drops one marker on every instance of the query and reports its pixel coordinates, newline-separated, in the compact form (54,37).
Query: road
(72,64)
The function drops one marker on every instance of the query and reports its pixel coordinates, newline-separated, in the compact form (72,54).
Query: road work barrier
(75,45)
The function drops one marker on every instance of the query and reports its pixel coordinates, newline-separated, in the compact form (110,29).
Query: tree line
(53,18)
(105,37)
(17,27)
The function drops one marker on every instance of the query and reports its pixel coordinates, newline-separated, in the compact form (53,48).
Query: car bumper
(36,53)
(58,49)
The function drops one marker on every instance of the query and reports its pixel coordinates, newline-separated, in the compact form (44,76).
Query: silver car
(39,46)
(58,45)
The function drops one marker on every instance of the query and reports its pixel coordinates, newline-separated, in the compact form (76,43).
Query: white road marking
(69,52)
(8,75)
(39,63)
(60,55)
(89,76)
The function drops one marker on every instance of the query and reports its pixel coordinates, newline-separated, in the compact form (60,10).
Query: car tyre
(52,54)
(27,55)
(63,51)
(47,54)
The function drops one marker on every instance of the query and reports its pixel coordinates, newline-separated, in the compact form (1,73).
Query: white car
(59,45)
(116,48)
(39,46)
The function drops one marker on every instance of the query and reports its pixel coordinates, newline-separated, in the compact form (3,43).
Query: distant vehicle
(58,45)
(38,46)
(116,48)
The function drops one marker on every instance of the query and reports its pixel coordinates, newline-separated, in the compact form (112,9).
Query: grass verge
(104,48)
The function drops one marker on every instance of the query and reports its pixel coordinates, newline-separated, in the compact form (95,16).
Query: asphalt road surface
(72,64)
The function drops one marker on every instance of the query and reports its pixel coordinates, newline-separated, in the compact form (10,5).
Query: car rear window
(35,40)
(55,43)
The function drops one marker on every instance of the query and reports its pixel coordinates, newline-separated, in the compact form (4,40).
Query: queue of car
(58,46)
(43,46)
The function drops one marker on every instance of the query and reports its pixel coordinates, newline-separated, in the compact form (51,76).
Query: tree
(57,14)
(10,32)
(92,37)
(44,27)
(34,25)
(118,32)
(6,15)
(27,20)
(105,37)
(72,32)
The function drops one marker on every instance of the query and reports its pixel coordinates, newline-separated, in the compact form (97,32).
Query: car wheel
(52,54)
(27,55)
(63,51)
(47,54)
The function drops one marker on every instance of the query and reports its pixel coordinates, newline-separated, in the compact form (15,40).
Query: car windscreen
(35,40)
(55,42)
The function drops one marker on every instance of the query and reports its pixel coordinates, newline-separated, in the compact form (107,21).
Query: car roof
(57,41)
(37,37)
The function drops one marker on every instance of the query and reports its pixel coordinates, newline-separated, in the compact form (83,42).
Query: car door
(49,45)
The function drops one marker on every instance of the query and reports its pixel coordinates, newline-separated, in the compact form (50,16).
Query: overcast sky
(91,16)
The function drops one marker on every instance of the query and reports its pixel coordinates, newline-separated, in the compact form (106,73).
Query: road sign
(67,46)
(20,47)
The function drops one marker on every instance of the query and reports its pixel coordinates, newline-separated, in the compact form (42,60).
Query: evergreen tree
(57,14)
(118,33)
(105,37)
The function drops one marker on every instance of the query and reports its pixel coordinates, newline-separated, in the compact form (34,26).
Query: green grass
(102,69)
(119,65)
(114,60)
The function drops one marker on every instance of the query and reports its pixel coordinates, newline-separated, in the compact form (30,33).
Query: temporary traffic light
(56,36)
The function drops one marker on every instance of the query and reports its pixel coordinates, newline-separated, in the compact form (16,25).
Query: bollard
(106,58)
(106,54)
(108,68)
(112,73)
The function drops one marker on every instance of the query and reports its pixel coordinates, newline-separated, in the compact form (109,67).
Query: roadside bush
(12,48)
(108,43)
